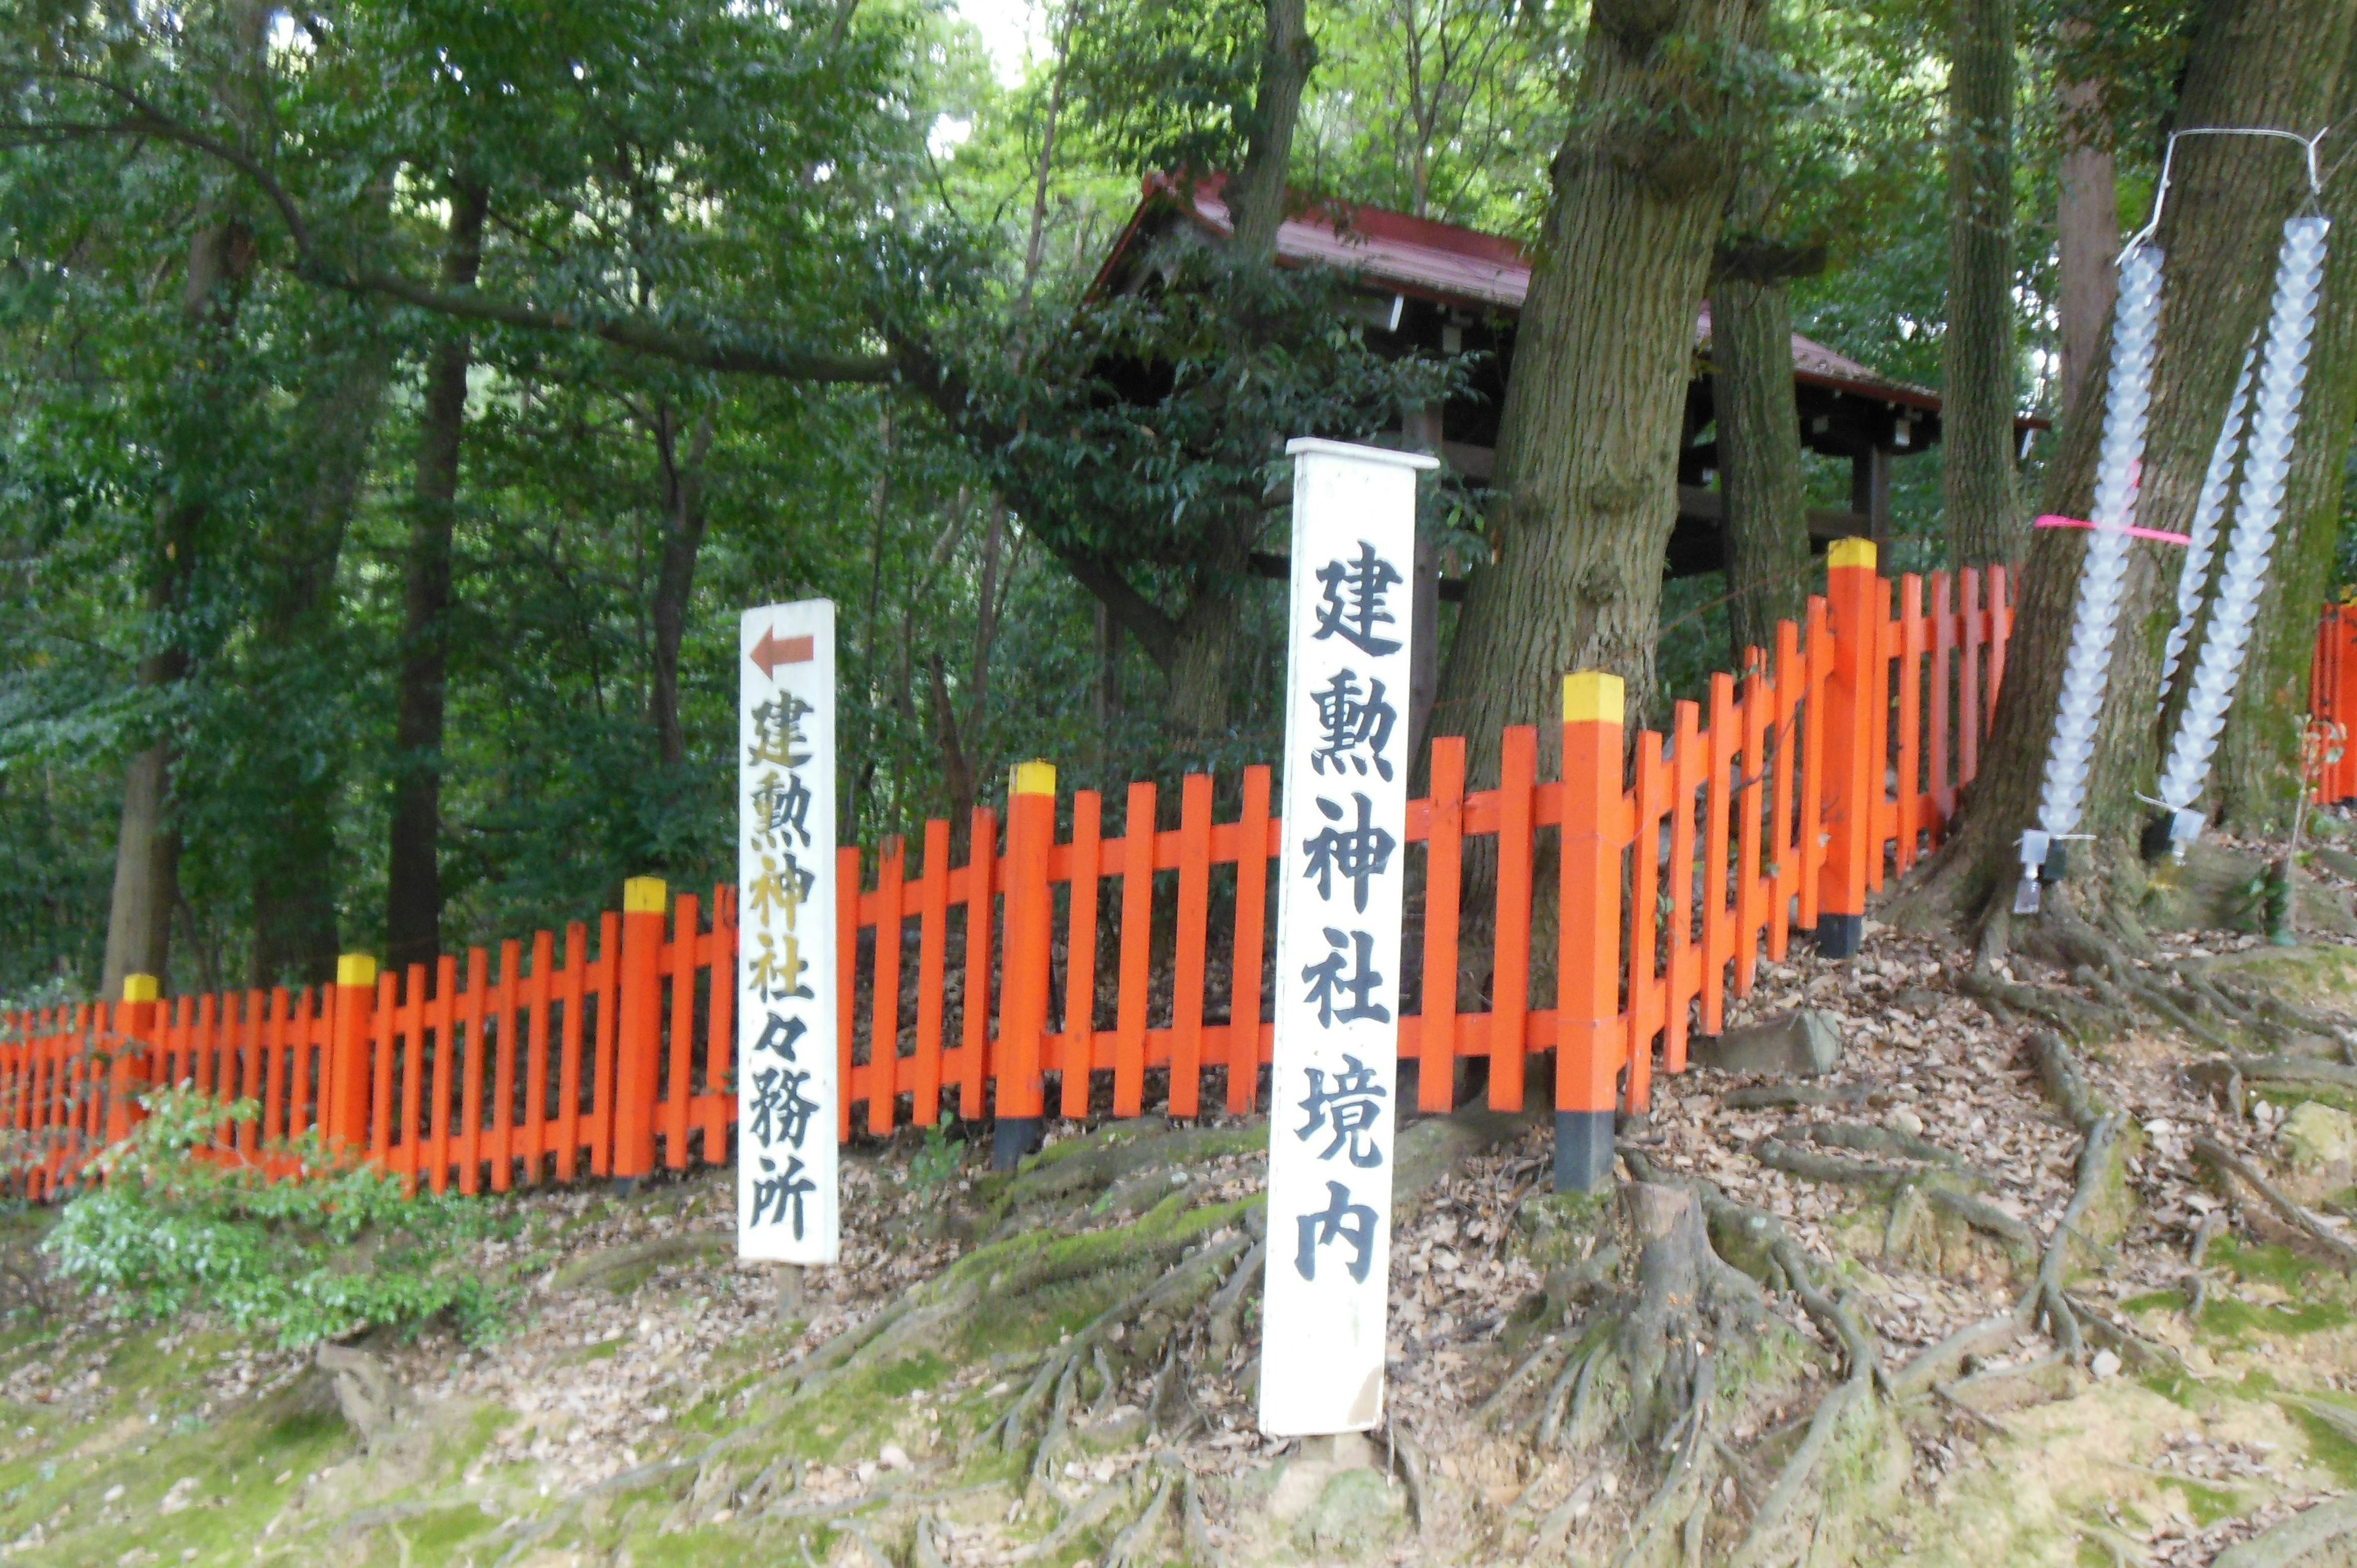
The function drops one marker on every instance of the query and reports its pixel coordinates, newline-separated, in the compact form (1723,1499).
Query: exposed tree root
(1940,1362)
(1057,1384)
(1195,1528)
(2296,1540)
(1545,1357)
(2066,1085)
(1768,1517)
(1777,1155)
(1684,1291)
(2295,1070)
(2216,1154)
(2075,1017)
(1686,1487)
(1776,1096)
(1131,1547)
(1226,1326)
(1888,1140)
(1983,1217)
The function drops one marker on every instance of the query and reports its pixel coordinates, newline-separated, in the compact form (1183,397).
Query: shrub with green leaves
(327,1251)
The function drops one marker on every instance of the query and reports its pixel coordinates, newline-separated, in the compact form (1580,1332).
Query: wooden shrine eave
(1445,291)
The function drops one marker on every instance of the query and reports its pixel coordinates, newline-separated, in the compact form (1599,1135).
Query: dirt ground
(1060,1367)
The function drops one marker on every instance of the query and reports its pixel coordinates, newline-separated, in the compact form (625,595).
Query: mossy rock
(623,1270)
(1357,1514)
(2212,889)
(1919,1233)
(1552,1229)
(2324,971)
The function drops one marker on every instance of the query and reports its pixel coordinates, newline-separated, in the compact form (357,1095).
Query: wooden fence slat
(1647,1003)
(1911,712)
(606,1049)
(539,997)
(884,1018)
(686,918)
(1194,921)
(466,1060)
(981,901)
(1718,931)
(932,950)
(1251,943)
(1750,805)
(720,1017)
(1136,935)
(1509,988)
(574,984)
(500,1137)
(1083,860)
(1444,859)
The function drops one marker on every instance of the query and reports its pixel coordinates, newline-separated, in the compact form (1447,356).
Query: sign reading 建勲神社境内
(787,1097)
(1341,870)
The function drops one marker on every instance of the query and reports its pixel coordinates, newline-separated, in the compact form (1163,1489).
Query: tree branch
(147,119)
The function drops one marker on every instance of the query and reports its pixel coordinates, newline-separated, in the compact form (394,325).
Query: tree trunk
(1286,57)
(2088,221)
(295,918)
(683,537)
(2254,779)
(414,877)
(1976,403)
(1587,464)
(146,875)
(1201,669)
(1759,459)
(2256,63)
(147,844)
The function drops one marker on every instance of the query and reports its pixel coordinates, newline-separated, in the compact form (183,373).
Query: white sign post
(1342,872)
(788,1102)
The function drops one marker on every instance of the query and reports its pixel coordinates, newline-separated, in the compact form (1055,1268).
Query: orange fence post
(1853,774)
(639,1039)
(1022,994)
(134,1024)
(1587,987)
(350,1079)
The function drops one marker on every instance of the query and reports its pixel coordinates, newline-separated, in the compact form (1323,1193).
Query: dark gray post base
(1583,1151)
(1839,935)
(1014,1137)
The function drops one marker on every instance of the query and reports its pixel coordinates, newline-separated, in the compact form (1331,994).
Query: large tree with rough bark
(1978,390)
(2255,62)
(1587,473)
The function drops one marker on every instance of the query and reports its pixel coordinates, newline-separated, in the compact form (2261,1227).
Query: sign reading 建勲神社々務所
(1341,870)
(787,1097)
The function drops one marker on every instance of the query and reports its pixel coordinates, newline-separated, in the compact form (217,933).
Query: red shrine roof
(1449,264)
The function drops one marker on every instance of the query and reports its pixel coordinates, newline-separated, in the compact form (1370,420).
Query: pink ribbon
(2049,519)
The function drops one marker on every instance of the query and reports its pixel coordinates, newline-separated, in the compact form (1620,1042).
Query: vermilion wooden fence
(1072,960)
(2332,702)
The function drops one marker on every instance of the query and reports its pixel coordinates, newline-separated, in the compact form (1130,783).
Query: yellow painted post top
(356,968)
(1593,696)
(141,988)
(645,895)
(1850,552)
(1032,778)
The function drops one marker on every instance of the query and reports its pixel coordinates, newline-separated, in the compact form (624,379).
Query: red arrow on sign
(773,650)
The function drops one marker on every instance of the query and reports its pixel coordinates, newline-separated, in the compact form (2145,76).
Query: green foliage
(762,182)
(936,1164)
(326,1252)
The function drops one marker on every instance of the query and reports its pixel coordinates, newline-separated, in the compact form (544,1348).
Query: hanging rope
(2206,511)
(2258,508)
(2102,578)
(2087,669)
